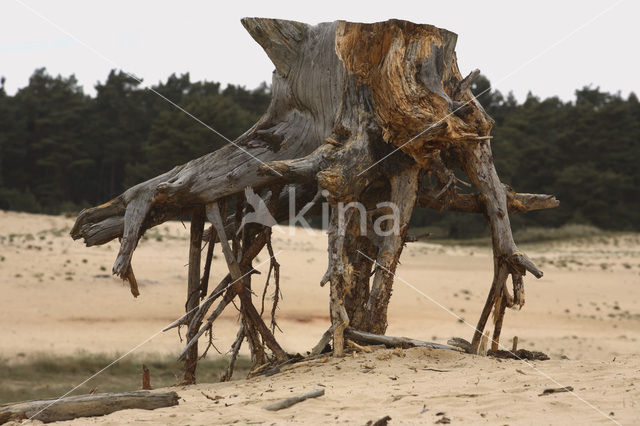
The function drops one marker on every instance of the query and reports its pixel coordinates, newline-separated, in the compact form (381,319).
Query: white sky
(509,41)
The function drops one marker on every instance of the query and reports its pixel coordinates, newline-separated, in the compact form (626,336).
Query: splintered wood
(373,114)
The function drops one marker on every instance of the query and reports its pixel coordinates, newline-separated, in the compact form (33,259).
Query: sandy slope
(58,296)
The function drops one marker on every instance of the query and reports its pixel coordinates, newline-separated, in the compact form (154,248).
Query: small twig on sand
(288,402)
(556,390)
(381,422)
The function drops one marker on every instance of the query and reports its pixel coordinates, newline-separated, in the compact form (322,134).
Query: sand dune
(58,296)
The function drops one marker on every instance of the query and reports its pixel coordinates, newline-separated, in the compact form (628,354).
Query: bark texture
(371,119)
(74,407)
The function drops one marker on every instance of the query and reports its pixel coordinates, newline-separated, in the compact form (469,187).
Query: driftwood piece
(550,391)
(390,341)
(288,402)
(472,203)
(380,422)
(520,354)
(86,406)
(461,343)
(322,343)
(235,349)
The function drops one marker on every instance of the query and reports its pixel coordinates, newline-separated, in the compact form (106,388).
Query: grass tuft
(44,375)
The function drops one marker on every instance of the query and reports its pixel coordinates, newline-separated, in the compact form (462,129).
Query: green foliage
(63,150)
(586,152)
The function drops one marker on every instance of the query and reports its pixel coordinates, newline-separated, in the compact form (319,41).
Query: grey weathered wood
(249,311)
(471,203)
(361,111)
(235,349)
(74,407)
(508,259)
(322,343)
(390,341)
(193,291)
(403,195)
(288,402)
(461,343)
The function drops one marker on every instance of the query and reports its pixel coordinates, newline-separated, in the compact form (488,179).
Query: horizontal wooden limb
(390,341)
(288,402)
(472,203)
(299,169)
(86,406)
(97,232)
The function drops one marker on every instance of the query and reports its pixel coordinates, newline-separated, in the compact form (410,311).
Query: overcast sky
(548,47)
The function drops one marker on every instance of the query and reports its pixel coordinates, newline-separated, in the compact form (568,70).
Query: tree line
(62,150)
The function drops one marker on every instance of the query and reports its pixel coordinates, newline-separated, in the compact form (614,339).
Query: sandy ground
(58,296)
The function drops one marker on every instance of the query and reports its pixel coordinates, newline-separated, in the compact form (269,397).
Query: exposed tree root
(373,117)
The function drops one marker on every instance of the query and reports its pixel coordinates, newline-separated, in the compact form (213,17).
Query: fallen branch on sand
(381,422)
(72,407)
(390,341)
(519,354)
(288,402)
(556,390)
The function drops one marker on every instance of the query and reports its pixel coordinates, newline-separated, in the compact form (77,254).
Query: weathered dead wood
(204,281)
(252,318)
(322,343)
(193,291)
(146,378)
(550,391)
(74,407)
(288,402)
(403,195)
(235,349)
(471,203)
(508,259)
(337,275)
(133,283)
(361,252)
(346,97)
(227,287)
(390,341)
(497,326)
(384,421)
(520,354)
(461,343)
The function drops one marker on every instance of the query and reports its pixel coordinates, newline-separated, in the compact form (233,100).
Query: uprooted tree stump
(375,114)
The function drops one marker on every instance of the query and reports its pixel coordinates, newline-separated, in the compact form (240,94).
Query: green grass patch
(529,235)
(43,375)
